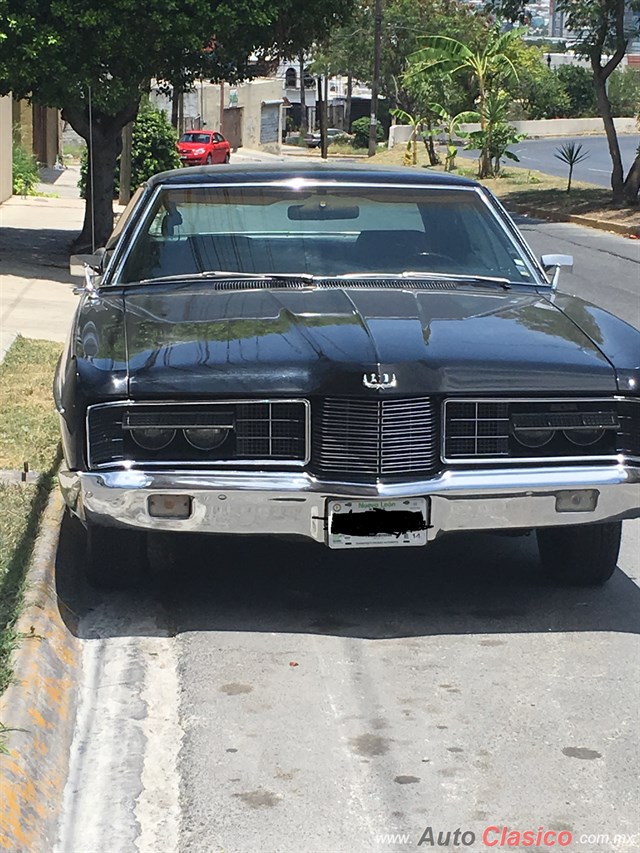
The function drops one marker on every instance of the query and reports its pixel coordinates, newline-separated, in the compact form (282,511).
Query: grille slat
(375,437)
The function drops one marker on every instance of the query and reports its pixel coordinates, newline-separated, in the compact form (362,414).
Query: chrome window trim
(511,460)
(305,183)
(238,463)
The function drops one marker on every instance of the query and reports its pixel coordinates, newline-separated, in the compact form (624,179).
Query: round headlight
(533,437)
(153,439)
(206,438)
(584,437)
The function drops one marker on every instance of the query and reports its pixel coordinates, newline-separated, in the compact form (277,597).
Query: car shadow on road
(464,584)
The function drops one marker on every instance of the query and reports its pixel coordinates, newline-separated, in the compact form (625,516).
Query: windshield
(324,231)
(196,137)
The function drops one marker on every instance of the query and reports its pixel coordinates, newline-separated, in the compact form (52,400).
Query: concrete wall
(6,179)
(400,134)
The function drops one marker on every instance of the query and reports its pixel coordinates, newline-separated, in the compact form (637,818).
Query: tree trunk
(430,145)
(349,99)
(175,100)
(632,182)
(104,143)
(303,100)
(604,108)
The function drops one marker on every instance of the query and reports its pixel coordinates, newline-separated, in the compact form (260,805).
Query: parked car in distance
(334,134)
(203,147)
(364,357)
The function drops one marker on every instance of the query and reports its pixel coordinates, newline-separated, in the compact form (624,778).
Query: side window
(218,137)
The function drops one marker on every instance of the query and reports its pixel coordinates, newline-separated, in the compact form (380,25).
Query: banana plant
(416,122)
(495,134)
(489,67)
(451,126)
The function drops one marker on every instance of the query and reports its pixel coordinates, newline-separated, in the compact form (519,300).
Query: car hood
(199,341)
(190,146)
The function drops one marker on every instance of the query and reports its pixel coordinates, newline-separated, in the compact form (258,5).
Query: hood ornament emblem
(379,381)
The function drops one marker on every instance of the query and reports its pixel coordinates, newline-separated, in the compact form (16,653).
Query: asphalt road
(606,267)
(274,697)
(596,169)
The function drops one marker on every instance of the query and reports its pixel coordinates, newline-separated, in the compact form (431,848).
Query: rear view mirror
(322,211)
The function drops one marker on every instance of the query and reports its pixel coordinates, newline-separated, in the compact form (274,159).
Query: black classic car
(362,357)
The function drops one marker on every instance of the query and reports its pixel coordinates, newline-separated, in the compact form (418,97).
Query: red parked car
(203,147)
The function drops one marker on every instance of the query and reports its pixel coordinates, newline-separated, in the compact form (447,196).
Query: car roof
(340,172)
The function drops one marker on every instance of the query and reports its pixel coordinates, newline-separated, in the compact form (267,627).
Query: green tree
(96,59)
(490,67)
(604,30)
(624,91)
(153,149)
(578,84)
(537,92)
(404,24)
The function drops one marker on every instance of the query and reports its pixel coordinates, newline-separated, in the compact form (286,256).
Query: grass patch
(531,188)
(28,431)
(28,420)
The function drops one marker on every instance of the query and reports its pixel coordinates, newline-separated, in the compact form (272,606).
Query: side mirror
(78,264)
(556,263)
(87,267)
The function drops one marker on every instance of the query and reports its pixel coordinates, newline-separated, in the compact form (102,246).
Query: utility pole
(375,83)
(325,118)
(303,99)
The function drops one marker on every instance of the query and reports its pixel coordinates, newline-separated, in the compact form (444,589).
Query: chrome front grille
(266,432)
(373,438)
(552,429)
(475,428)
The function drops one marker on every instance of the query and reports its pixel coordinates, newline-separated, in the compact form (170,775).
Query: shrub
(153,149)
(25,170)
(624,91)
(360,131)
(578,84)
(154,146)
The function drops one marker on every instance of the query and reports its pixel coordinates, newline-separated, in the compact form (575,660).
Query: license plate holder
(377,523)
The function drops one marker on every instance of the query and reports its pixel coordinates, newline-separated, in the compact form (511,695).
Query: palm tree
(489,66)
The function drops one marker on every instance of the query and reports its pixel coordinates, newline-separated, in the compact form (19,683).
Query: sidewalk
(36,299)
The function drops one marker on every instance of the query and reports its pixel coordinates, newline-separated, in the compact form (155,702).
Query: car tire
(209,160)
(227,159)
(115,558)
(580,555)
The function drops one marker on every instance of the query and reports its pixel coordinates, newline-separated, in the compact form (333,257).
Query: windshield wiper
(416,275)
(232,274)
(473,279)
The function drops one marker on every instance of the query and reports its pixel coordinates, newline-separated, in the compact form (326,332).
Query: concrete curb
(39,706)
(5,345)
(588,221)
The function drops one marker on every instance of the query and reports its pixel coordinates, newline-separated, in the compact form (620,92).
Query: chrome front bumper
(296,503)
